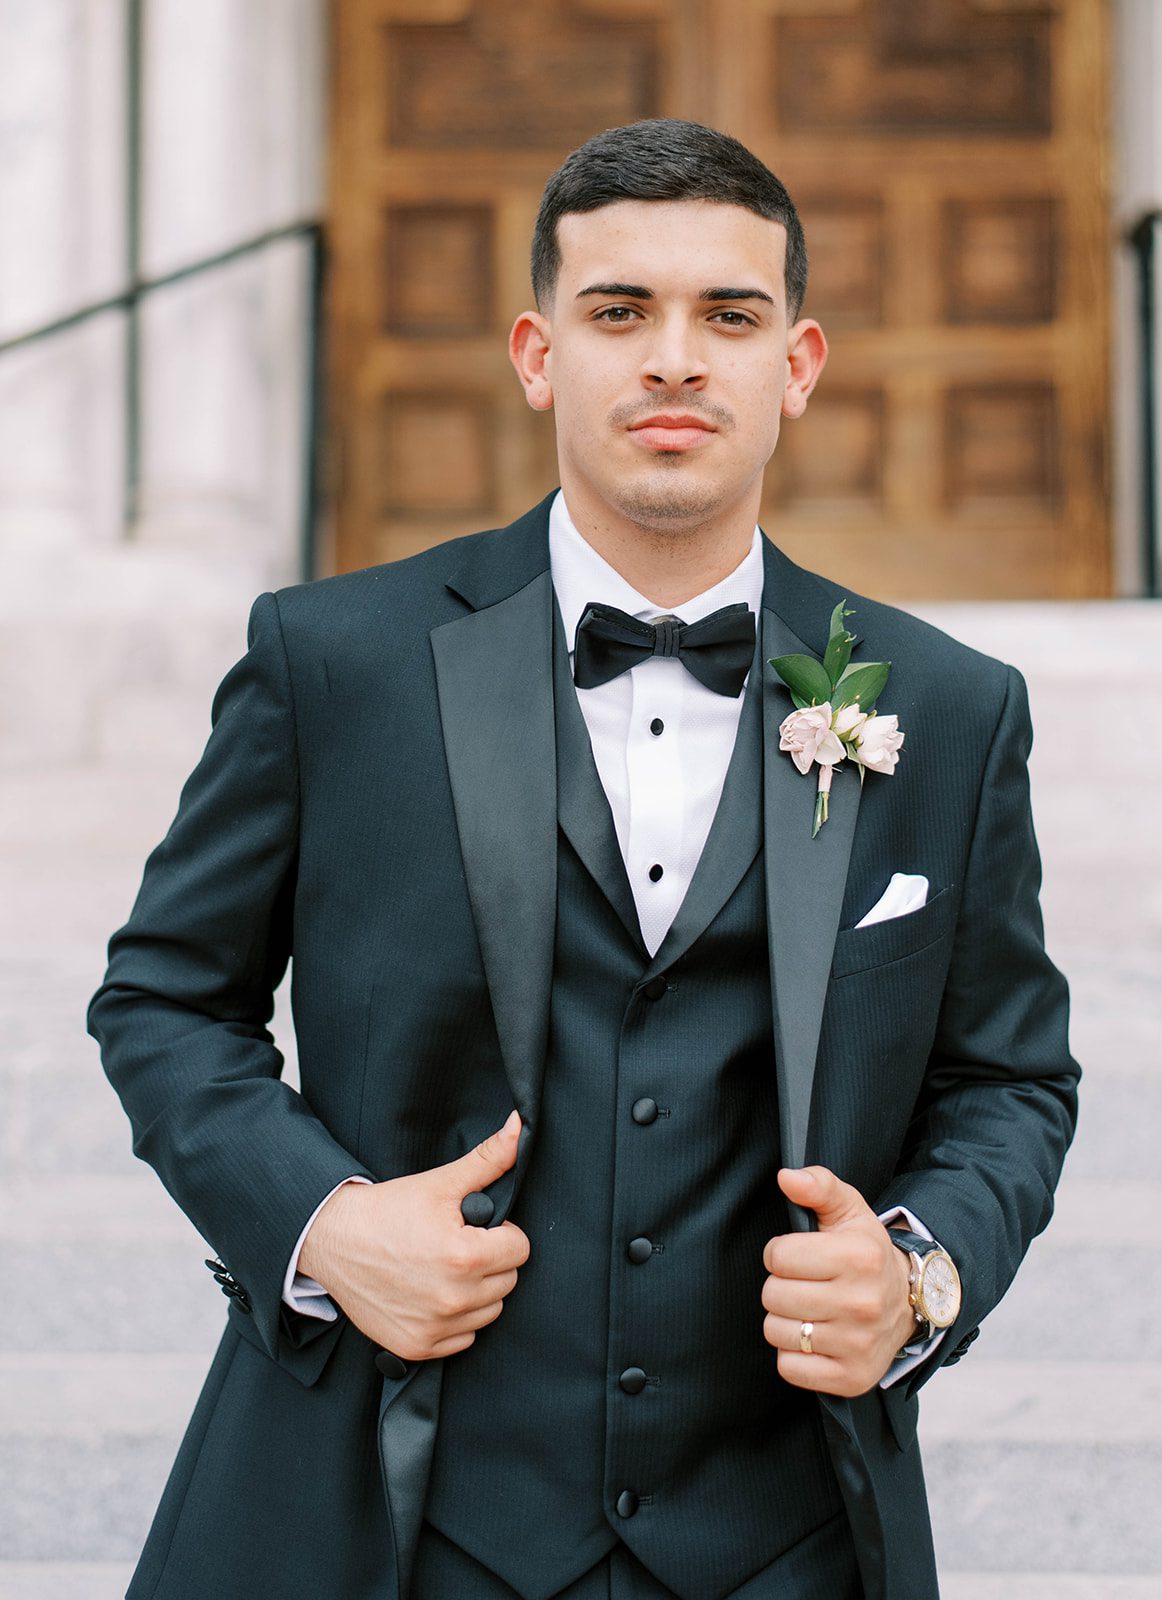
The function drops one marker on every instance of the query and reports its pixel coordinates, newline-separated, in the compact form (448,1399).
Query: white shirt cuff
(301,1293)
(920,1349)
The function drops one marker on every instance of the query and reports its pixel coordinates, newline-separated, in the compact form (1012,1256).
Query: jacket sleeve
(999,1103)
(182,1014)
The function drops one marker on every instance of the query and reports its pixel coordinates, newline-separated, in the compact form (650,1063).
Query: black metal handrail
(1144,238)
(129,300)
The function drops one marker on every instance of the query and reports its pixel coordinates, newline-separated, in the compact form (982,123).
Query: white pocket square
(906,892)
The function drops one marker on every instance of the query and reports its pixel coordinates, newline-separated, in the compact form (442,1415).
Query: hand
(401,1262)
(848,1279)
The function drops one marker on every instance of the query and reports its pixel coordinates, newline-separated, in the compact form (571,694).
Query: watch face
(939,1289)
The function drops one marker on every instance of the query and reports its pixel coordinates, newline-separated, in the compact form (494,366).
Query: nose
(674,360)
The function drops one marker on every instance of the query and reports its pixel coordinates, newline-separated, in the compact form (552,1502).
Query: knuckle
(865,1308)
(447,1302)
(461,1256)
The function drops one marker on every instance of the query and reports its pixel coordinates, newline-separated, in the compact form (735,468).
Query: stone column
(1137,188)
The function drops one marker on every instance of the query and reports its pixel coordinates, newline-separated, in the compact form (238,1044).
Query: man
(534,843)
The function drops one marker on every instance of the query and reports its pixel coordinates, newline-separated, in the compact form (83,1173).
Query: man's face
(667,358)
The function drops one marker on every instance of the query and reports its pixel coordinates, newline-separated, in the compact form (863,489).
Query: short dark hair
(664,159)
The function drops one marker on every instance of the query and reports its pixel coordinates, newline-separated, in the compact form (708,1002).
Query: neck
(668,564)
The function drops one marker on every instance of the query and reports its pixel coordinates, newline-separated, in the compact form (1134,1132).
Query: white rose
(877,745)
(807,735)
(849,720)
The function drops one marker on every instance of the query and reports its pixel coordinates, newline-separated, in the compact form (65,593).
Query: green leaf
(862,684)
(837,656)
(805,677)
(837,616)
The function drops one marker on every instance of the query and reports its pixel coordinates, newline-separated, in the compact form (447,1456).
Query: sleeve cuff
(301,1293)
(912,1354)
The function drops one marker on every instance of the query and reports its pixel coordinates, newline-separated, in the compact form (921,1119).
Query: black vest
(626,1391)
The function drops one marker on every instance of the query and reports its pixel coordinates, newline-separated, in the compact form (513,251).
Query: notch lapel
(805,884)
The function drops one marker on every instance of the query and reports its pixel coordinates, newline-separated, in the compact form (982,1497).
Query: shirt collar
(581,576)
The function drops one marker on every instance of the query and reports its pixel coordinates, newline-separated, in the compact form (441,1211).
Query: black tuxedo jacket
(378,798)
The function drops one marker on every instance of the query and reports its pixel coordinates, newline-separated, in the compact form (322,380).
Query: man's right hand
(401,1262)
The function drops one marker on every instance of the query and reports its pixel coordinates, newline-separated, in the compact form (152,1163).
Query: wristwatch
(933,1282)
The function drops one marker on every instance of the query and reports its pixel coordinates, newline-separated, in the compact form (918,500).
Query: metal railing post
(1143,237)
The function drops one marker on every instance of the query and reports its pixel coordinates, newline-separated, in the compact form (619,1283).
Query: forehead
(673,241)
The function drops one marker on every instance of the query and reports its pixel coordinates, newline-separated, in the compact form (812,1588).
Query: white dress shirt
(662,742)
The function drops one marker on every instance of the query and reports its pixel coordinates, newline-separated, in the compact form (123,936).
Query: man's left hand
(848,1280)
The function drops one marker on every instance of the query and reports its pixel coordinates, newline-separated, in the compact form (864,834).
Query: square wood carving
(914,66)
(998,260)
(457,85)
(439,271)
(845,281)
(835,460)
(1001,447)
(436,455)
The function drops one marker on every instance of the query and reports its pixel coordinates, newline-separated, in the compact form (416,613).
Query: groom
(651,1152)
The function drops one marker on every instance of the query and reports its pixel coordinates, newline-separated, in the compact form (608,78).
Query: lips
(679,431)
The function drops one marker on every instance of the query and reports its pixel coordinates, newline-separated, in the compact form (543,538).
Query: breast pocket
(857,949)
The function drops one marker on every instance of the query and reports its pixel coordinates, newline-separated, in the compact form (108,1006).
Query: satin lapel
(734,838)
(805,884)
(494,674)
(409,1412)
(582,805)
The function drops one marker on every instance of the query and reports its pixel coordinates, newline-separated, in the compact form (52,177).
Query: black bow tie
(718,650)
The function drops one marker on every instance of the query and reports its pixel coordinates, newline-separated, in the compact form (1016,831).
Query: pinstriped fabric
(727,1462)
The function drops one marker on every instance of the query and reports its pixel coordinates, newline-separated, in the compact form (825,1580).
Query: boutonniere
(830,724)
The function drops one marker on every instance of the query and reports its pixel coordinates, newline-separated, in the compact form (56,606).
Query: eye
(734,319)
(616,316)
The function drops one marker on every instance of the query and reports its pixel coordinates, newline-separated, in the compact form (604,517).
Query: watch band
(918,1249)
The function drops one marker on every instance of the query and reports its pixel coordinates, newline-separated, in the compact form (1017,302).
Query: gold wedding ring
(806,1329)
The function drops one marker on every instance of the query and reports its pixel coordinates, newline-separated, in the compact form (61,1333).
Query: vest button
(627,1503)
(639,1250)
(477,1209)
(644,1111)
(632,1380)
(655,989)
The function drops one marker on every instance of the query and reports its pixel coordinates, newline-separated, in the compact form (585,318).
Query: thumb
(818,1189)
(486,1162)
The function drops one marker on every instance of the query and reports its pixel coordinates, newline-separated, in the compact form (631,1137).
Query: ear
(806,356)
(529,349)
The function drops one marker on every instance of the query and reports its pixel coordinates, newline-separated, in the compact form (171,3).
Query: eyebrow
(638,291)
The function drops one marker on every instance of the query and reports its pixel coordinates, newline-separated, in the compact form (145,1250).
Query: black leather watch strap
(913,1243)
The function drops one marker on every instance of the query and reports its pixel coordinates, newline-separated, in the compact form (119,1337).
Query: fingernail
(513,1123)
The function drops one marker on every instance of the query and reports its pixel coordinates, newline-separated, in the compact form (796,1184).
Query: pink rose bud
(877,745)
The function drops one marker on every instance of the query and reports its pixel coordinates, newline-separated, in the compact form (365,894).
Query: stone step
(64,1580)
(1046,1586)
(107,1580)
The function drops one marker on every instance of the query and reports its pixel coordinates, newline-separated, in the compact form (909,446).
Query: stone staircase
(1043,1449)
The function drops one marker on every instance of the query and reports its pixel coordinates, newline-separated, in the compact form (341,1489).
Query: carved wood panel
(948,158)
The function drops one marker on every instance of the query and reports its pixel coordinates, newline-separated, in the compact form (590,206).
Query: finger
(784,1333)
(818,1189)
(804,1301)
(452,1346)
(498,1285)
(472,1321)
(821,1374)
(503,1248)
(805,1255)
(483,1165)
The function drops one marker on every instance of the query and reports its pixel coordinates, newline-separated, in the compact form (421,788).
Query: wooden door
(948,158)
